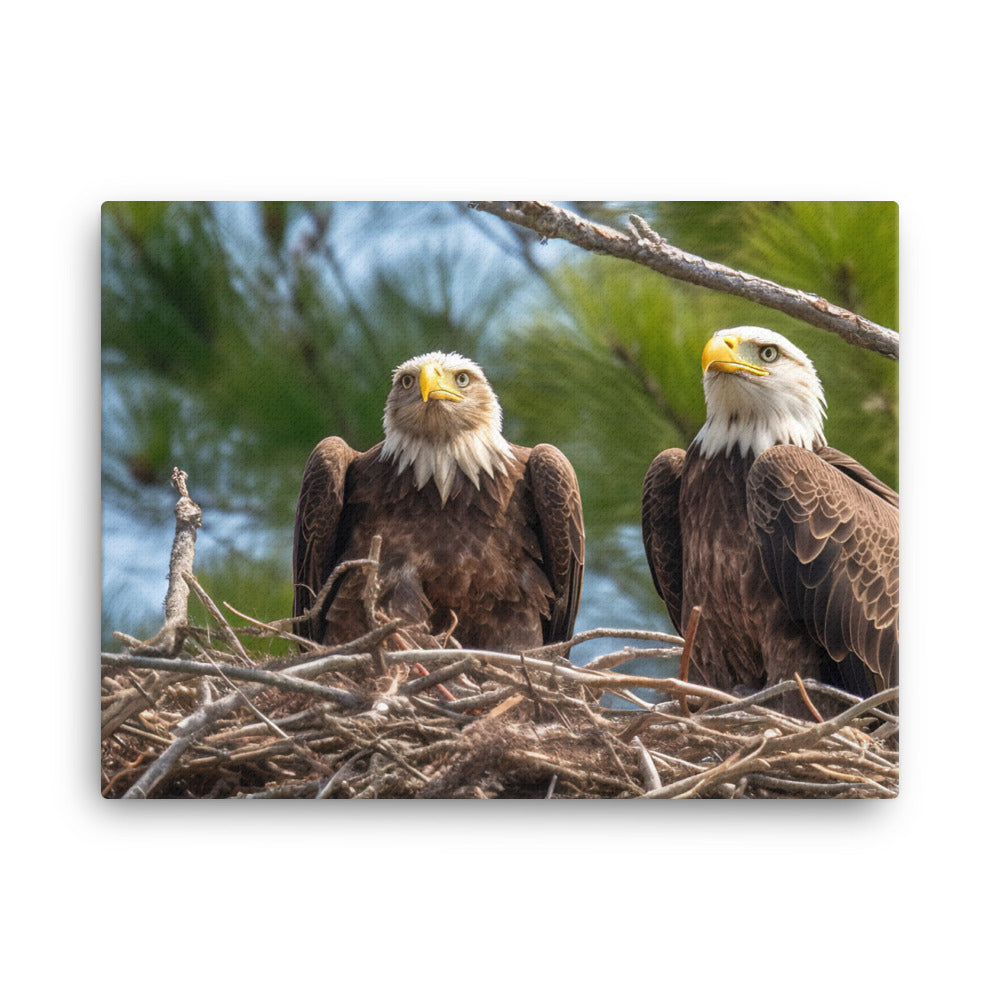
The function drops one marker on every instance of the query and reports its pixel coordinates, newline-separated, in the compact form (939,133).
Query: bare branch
(561,648)
(644,246)
(689,636)
(169,640)
(187,732)
(650,777)
(227,629)
(284,680)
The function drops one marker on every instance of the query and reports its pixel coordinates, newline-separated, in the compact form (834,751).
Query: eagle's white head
(760,390)
(442,417)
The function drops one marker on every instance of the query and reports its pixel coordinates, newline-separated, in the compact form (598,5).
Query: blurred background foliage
(236,335)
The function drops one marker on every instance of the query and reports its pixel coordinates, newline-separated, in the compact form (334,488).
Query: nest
(399,713)
(440,722)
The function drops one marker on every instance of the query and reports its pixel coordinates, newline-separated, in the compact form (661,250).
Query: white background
(437,100)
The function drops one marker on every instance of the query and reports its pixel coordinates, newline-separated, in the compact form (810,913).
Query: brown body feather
(793,558)
(506,558)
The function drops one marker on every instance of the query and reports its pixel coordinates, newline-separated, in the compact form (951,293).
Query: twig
(121,708)
(341,775)
(733,767)
(187,731)
(805,697)
(310,756)
(646,247)
(444,673)
(689,635)
(826,789)
(369,594)
(505,706)
(209,604)
(609,661)
(542,761)
(274,628)
(319,599)
(284,680)
(561,648)
(650,776)
(583,675)
(783,687)
(817,732)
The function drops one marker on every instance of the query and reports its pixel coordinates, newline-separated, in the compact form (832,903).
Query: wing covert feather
(829,541)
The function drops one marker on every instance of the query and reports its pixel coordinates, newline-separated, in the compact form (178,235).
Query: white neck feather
(470,453)
(745,412)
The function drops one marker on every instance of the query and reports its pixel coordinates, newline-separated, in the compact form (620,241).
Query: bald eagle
(471,525)
(790,547)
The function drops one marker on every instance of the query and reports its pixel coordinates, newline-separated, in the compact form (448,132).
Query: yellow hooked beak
(436,383)
(721,354)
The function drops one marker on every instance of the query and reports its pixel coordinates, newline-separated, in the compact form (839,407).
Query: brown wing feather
(556,496)
(859,474)
(828,535)
(661,528)
(317,522)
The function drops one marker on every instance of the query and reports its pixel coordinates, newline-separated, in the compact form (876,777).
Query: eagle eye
(406,381)
(768,353)
(462,379)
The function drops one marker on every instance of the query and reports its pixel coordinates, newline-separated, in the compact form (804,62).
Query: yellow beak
(436,383)
(721,354)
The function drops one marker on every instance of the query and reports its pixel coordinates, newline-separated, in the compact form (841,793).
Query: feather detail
(471,453)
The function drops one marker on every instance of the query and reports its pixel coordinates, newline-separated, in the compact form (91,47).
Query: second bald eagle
(471,525)
(790,547)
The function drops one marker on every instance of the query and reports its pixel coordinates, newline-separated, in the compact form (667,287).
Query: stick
(169,640)
(689,635)
(561,648)
(732,767)
(815,733)
(438,676)
(650,776)
(273,629)
(284,680)
(805,697)
(187,731)
(209,604)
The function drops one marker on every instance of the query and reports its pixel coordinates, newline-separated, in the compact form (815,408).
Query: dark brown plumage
(470,524)
(790,547)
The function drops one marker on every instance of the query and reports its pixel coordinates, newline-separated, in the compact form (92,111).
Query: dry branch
(645,246)
(282,681)
(169,640)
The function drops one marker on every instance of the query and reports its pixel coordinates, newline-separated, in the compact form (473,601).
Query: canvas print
(530,500)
